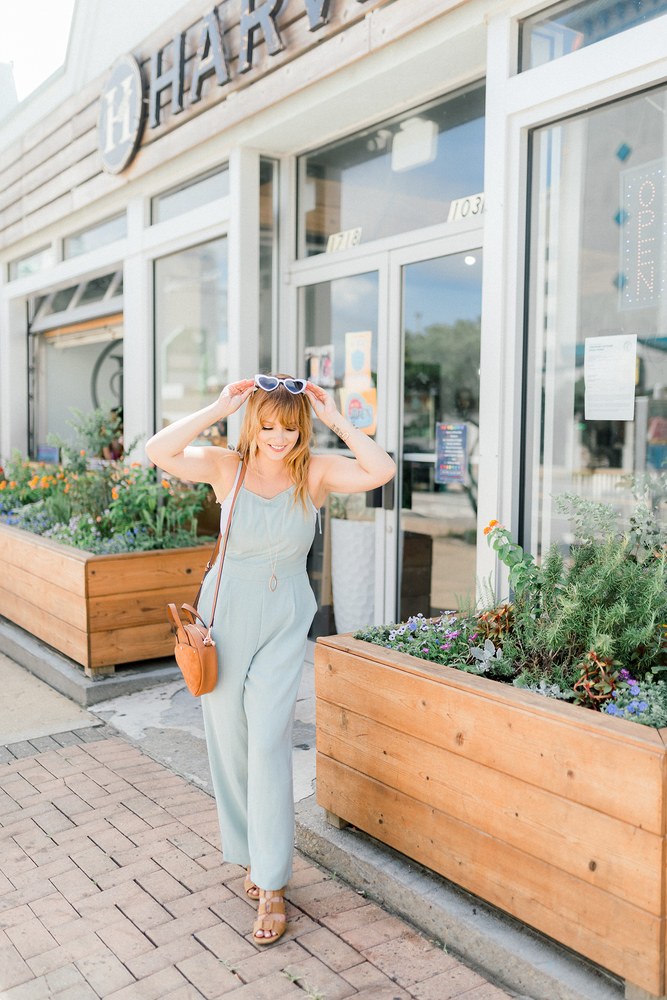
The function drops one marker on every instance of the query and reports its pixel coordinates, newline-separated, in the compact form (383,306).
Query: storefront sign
(122,101)
(610,366)
(121,115)
(643,226)
(451,453)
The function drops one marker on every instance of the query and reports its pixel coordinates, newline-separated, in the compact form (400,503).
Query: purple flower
(445,645)
(425,649)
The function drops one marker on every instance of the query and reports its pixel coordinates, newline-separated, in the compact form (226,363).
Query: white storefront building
(446,212)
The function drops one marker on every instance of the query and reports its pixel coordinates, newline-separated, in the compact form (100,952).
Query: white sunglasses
(270,382)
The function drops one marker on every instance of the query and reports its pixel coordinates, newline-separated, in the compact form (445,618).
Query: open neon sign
(642,269)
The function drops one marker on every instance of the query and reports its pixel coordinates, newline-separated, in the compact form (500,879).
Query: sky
(33,35)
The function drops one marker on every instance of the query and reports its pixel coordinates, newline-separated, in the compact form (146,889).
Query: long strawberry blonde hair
(291,411)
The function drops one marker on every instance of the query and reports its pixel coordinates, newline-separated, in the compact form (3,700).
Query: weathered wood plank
(54,631)
(31,181)
(43,558)
(617,774)
(130,609)
(137,573)
(608,930)
(125,645)
(600,850)
(46,593)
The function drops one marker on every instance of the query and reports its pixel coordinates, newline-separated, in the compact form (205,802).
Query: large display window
(191,333)
(403,174)
(596,332)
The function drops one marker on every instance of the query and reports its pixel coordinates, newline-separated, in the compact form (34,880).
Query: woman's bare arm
(170,448)
(371,466)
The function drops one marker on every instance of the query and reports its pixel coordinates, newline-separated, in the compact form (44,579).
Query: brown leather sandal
(248,885)
(268,905)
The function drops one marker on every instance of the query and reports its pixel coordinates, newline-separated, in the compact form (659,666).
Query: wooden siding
(55,168)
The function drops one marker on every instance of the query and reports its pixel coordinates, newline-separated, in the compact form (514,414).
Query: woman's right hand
(234,396)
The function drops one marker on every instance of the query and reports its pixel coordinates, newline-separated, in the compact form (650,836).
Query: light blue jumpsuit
(261,642)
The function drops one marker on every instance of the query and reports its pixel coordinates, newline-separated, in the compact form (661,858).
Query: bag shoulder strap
(222,543)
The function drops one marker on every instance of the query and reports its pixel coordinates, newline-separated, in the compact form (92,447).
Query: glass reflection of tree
(442,384)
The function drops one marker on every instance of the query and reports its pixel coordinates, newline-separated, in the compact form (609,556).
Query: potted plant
(95,548)
(352,560)
(502,749)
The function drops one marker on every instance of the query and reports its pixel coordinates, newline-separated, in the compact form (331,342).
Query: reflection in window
(339,322)
(569,26)
(268,261)
(62,299)
(97,236)
(95,289)
(395,177)
(32,264)
(596,416)
(441,329)
(191,195)
(191,333)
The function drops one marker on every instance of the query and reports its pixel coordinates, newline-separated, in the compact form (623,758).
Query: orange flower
(12,484)
(82,452)
(135,465)
(67,488)
(490,526)
(165,484)
(3,484)
(114,494)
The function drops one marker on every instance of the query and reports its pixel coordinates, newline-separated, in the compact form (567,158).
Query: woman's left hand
(322,403)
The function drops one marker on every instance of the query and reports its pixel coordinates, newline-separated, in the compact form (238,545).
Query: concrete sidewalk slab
(68,677)
(30,708)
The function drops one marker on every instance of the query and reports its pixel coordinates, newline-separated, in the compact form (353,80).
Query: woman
(265,605)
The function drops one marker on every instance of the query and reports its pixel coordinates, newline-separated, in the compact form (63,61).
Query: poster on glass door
(451,453)
(358,396)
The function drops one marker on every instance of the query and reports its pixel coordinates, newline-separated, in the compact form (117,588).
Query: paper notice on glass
(610,374)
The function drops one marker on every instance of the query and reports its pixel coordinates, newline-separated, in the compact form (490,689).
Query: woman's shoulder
(227,461)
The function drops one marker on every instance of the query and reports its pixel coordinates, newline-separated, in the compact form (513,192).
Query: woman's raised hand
(235,394)
(322,403)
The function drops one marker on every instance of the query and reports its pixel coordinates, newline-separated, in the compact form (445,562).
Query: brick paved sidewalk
(112,884)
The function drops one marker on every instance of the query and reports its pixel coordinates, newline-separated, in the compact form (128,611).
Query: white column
(138,368)
(243,279)
(13,377)
(499,410)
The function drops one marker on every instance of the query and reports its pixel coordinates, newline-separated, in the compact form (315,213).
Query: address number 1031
(464,208)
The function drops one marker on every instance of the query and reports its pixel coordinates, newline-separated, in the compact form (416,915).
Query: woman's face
(276,440)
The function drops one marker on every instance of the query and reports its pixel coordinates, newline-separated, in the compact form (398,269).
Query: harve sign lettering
(211,56)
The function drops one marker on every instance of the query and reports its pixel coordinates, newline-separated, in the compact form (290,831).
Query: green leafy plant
(102,506)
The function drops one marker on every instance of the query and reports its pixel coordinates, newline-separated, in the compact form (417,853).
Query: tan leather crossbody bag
(196,652)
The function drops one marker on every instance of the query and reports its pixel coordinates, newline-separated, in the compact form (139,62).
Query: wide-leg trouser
(261,641)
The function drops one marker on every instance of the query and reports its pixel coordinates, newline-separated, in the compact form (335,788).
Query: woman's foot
(250,888)
(271,920)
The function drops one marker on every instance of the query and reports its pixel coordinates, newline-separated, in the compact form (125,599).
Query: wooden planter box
(98,610)
(551,812)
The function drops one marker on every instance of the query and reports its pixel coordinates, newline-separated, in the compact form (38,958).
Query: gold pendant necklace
(273,560)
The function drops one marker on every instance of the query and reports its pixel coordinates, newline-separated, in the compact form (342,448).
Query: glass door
(440,327)
(339,320)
